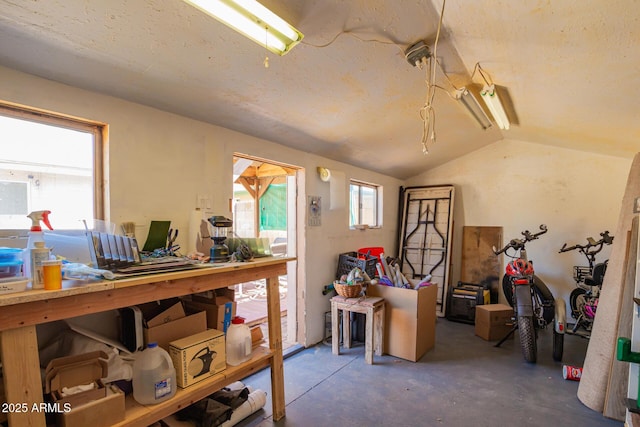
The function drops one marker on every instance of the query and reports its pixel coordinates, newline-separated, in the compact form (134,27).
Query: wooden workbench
(21,312)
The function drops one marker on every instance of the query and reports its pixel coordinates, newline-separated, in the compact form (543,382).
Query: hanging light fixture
(254,21)
(490,97)
(473,106)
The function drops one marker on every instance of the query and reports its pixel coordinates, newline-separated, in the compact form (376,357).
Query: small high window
(364,204)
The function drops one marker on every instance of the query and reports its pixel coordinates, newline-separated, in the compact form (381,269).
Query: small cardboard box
(410,320)
(493,321)
(218,316)
(167,321)
(101,406)
(70,371)
(198,357)
(104,412)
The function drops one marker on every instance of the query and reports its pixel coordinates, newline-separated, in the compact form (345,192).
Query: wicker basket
(348,291)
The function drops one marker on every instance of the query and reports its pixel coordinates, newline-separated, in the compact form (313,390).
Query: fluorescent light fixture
(490,97)
(253,20)
(468,100)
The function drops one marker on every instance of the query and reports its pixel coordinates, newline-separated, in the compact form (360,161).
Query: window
(49,162)
(363,204)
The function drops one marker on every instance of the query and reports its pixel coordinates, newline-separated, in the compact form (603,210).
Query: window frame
(99,130)
(377,205)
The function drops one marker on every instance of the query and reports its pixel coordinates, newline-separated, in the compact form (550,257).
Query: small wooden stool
(373,308)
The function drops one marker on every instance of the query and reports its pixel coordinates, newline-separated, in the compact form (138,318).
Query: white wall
(519,185)
(159,162)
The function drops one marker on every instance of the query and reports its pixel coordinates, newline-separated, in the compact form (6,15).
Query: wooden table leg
(21,369)
(368,336)
(335,329)
(346,328)
(378,332)
(275,344)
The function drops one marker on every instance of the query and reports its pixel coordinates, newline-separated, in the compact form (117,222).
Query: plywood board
(479,264)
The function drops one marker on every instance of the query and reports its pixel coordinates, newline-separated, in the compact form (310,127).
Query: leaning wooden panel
(479,265)
(602,344)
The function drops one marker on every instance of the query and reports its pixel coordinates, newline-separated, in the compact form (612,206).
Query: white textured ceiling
(570,69)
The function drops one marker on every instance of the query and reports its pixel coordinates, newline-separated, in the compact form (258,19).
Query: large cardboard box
(166,321)
(198,357)
(493,321)
(100,406)
(410,320)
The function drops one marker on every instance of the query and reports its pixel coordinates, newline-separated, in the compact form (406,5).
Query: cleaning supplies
(36,252)
(238,342)
(154,377)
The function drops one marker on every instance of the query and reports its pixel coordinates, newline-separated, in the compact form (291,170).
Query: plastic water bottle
(154,377)
(238,342)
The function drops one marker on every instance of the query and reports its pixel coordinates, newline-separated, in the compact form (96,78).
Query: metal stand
(506,337)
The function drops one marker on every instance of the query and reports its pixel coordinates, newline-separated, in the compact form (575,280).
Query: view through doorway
(264,217)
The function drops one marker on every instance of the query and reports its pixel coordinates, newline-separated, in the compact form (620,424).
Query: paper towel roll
(256,400)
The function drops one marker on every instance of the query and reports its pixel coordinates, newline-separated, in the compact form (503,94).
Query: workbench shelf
(144,415)
(20,313)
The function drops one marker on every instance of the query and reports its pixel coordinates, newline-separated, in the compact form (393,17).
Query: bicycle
(583,300)
(533,303)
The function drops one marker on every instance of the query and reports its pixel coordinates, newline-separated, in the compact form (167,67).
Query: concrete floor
(463,381)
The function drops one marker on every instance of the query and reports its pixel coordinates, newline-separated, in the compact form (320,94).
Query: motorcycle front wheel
(527,332)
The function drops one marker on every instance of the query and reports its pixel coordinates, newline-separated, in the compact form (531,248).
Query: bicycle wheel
(573,301)
(558,346)
(527,332)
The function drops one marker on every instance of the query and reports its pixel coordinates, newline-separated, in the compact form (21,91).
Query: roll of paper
(256,400)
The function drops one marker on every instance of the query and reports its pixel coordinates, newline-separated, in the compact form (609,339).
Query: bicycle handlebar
(605,239)
(518,244)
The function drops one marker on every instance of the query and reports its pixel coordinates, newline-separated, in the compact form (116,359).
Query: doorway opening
(264,215)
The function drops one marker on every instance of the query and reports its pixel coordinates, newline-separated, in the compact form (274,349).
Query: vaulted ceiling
(568,71)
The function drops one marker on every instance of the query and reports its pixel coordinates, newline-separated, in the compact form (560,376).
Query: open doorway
(264,216)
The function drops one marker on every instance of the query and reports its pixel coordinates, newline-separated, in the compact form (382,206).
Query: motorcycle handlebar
(518,244)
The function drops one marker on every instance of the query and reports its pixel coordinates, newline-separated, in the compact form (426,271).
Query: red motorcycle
(533,303)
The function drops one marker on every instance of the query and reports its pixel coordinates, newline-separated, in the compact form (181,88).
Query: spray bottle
(36,252)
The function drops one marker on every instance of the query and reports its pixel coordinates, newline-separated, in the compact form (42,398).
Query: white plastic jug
(238,342)
(154,377)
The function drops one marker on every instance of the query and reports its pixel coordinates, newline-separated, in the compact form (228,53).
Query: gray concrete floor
(463,381)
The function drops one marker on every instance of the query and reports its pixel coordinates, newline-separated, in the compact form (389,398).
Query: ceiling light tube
(254,21)
(490,97)
(473,106)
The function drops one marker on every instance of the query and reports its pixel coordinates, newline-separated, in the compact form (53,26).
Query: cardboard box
(104,412)
(198,357)
(218,316)
(167,321)
(101,406)
(410,320)
(493,321)
(70,371)
(216,296)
